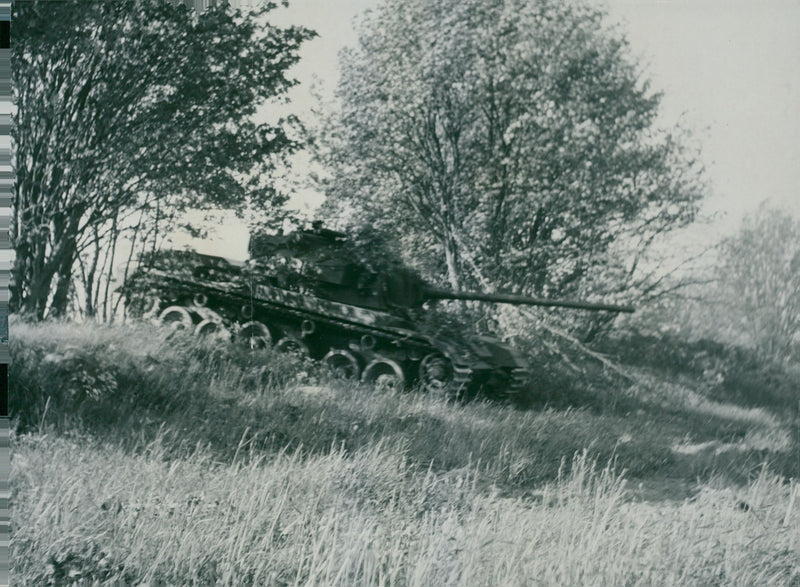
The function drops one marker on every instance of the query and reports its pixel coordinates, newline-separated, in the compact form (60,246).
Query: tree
(130,107)
(759,279)
(512,142)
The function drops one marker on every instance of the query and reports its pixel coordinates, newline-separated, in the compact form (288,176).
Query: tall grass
(128,383)
(92,512)
(147,457)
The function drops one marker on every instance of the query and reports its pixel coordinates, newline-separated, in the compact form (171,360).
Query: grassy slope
(143,458)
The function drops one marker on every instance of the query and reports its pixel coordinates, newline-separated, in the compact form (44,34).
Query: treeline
(127,114)
(755,300)
(506,145)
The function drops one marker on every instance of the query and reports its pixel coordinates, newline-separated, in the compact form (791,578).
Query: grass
(143,457)
(93,512)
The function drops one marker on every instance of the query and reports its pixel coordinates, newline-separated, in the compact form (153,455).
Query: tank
(309,292)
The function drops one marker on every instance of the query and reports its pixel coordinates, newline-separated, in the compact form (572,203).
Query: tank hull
(209,295)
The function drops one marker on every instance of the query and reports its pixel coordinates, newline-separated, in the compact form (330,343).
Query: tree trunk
(110,275)
(88,282)
(17,286)
(451,259)
(125,273)
(61,261)
(31,277)
(58,308)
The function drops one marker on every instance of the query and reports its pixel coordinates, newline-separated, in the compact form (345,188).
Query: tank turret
(311,292)
(325,264)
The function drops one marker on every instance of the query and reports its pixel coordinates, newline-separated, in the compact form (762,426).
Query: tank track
(366,344)
(520,376)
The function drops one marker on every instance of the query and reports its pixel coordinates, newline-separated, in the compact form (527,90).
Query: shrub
(725,372)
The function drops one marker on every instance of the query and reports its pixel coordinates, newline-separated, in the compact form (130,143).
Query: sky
(729,71)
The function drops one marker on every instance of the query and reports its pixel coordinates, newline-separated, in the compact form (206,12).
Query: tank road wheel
(385,374)
(200,300)
(150,305)
(151,313)
(342,363)
(212,328)
(254,335)
(436,374)
(292,345)
(143,306)
(176,317)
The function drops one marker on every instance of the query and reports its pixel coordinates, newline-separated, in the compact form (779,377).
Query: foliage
(727,372)
(759,283)
(208,464)
(101,375)
(510,143)
(128,112)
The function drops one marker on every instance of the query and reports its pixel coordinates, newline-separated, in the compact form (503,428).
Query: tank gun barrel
(441,294)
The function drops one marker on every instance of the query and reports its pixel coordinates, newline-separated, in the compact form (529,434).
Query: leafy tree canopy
(127,104)
(759,278)
(508,143)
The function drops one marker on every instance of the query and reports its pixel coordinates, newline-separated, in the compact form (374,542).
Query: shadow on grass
(130,384)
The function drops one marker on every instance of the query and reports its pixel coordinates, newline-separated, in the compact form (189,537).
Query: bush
(103,375)
(725,372)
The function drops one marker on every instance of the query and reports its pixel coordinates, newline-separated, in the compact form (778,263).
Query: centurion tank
(308,293)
